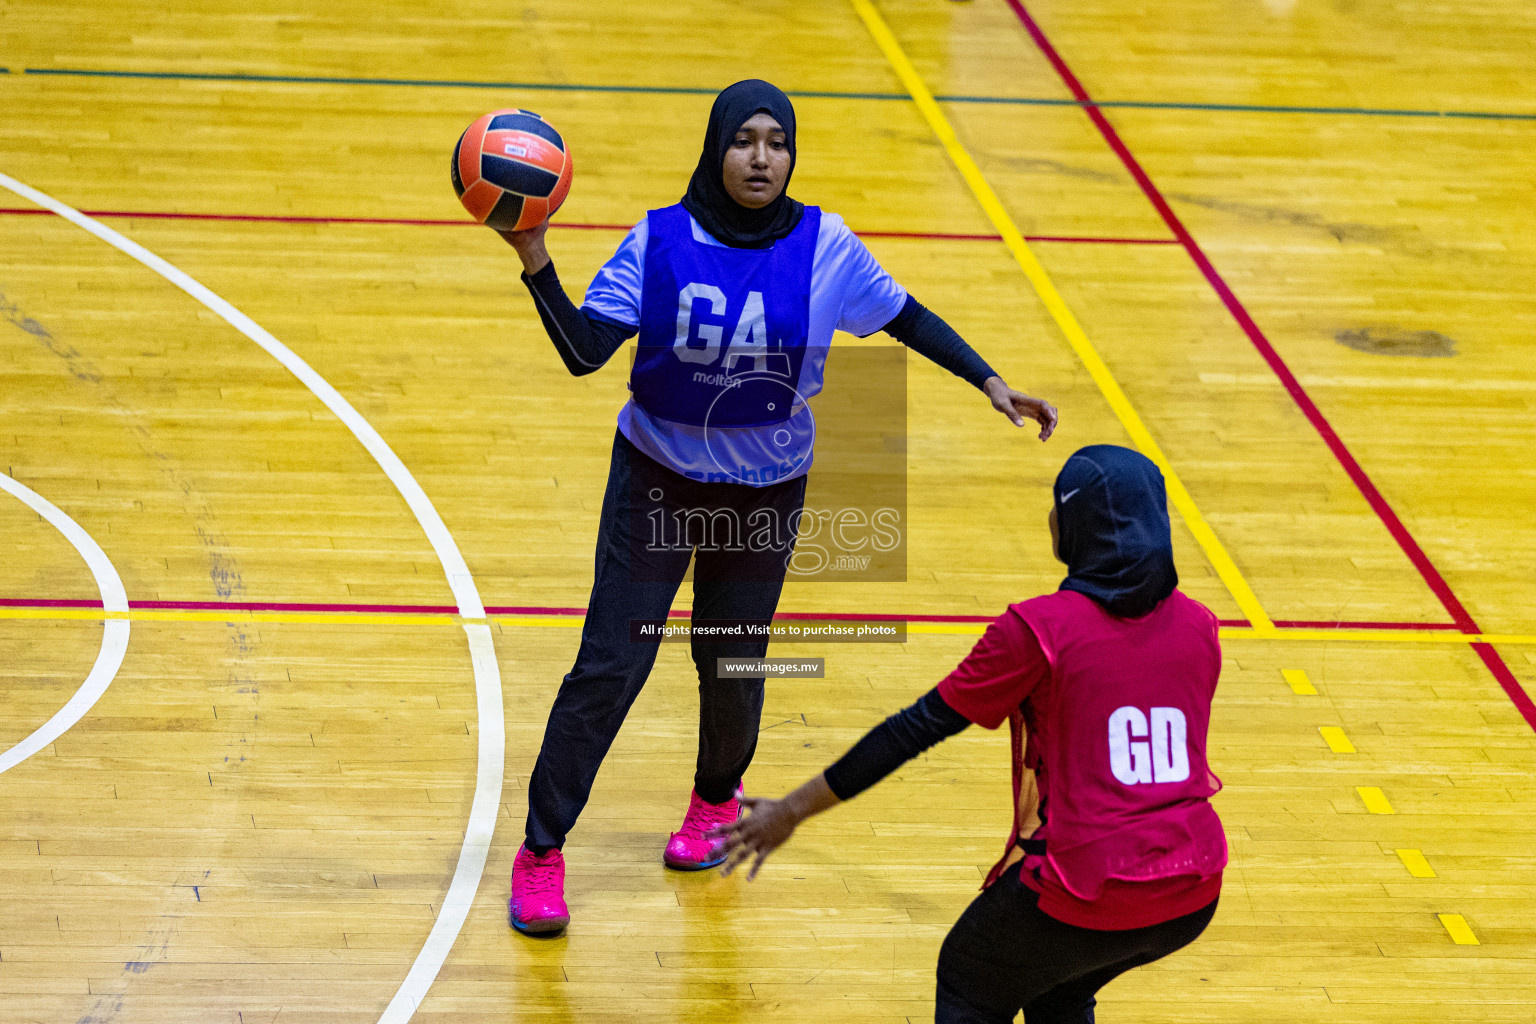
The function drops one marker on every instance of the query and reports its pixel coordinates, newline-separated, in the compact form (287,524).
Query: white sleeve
(614,294)
(870,297)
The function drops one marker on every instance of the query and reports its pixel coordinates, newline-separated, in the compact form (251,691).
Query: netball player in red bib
(1115,855)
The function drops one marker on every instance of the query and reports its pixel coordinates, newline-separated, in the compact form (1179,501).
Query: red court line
(460,222)
(510,609)
(1100,240)
(1341,452)
(1340,624)
(683,613)
(272,218)
(243,606)
(1111,241)
(299,606)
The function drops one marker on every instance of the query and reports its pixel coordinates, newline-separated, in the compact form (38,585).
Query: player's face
(1055,535)
(757,163)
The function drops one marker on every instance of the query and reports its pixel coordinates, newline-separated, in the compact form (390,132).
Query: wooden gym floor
(1295,240)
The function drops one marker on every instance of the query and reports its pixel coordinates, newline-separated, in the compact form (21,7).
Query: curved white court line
(114,633)
(492,743)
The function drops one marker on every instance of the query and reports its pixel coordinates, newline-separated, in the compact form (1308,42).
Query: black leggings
(1004,955)
(638,572)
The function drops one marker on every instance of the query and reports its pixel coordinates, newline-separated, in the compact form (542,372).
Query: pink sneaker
(537,906)
(688,850)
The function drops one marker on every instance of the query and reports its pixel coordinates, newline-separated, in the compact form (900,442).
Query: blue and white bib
(723,349)
(849,291)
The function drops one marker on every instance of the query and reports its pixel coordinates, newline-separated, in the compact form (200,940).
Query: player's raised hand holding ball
(512,170)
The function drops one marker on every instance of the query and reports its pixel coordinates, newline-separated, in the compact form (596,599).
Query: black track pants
(638,572)
(1004,955)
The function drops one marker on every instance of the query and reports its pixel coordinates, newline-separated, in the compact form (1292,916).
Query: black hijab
(1112,520)
(707,199)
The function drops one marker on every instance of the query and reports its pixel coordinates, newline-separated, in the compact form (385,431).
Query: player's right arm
(883,749)
(530,246)
(585,338)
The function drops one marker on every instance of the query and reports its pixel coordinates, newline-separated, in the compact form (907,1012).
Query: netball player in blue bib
(735,294)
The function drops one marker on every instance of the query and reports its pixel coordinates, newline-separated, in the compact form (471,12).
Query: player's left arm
(926,333)
(871,301)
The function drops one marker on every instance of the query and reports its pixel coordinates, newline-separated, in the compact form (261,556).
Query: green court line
(664,90)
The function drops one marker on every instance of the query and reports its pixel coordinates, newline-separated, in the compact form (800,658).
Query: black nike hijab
(1113,531)
(709,202)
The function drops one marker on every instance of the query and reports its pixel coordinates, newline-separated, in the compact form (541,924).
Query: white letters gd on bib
(1135,757)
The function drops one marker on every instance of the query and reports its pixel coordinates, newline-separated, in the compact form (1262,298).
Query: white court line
(114,633)
(491,727)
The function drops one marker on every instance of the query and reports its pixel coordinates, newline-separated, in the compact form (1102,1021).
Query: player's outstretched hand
(768,823)
(766,826)
(1018,406)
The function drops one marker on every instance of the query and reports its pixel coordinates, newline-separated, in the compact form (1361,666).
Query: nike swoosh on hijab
(1117,541)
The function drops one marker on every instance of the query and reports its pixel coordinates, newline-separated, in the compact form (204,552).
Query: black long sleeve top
(586,343)
(894,742)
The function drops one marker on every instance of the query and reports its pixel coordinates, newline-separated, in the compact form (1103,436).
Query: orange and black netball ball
(511,169)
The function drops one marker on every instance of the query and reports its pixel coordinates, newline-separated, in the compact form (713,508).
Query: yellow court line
(1295,677)
(238,615)
(948,628)
(1141,437)
(1383,636)
(1419,636)
(304,618)
(1380,636)
(541,621)
(1457,928)
(1375,800)
(1297,680)
(1336,740)
(1414,861)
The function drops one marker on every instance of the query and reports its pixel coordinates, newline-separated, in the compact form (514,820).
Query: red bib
(1116,744)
